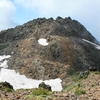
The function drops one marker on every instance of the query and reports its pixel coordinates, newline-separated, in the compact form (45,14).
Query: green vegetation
(40,91)
(2,46)
(9,90)
(78,91)
(85,76)
(92,85)
(75,84)
(97,72)
(38,94)
(6,89)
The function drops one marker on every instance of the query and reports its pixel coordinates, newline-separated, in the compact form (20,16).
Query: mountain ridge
(65,53)
(71,54)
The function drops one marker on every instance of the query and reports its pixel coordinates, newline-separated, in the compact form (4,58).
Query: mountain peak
(69,48)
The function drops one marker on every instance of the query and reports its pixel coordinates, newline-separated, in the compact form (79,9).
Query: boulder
(44,86)
(6,84)
(92,69)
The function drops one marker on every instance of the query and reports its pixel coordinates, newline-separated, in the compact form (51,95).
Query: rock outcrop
(65,53)
(44,86)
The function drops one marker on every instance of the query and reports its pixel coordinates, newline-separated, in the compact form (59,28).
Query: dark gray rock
(83,73)
(6,84)
(93,69)
(44,86)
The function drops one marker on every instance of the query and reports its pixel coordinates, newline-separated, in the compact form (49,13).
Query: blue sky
(18,12)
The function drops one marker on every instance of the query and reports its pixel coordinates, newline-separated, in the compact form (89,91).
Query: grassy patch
(69,87)
(39,94)
(96,72)
(9,90)
(79,91)
(74,83)
(85,76)
(40,91)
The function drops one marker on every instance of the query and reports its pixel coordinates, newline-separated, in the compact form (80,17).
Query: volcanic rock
(44,86)
(6,84)
(65,53)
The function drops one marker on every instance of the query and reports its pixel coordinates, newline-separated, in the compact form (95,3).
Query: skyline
(18,12)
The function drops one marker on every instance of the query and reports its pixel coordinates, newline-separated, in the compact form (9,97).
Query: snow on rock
(18,81)
(97,46)
(4,57)
(42,41)
(55,84)
(21,81)
(3,61)
(4,64)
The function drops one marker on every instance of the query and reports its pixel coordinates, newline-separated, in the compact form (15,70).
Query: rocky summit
(70,48)
(46,49)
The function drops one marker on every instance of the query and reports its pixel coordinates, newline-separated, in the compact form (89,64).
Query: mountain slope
(66,52)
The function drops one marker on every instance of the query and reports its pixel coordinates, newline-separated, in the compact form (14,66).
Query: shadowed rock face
(65,53)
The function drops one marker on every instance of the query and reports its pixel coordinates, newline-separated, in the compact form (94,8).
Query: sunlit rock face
(44,49)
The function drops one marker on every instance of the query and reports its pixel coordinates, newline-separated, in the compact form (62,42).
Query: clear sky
(18,12)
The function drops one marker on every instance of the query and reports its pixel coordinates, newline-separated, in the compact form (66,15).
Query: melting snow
(4,57)
(3,61)
(16,80)
(97,46)
(21,81)
(42,41)
(55,84)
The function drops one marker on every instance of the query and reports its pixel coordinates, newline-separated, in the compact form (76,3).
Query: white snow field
(97,46)
(42,41)
(21,81)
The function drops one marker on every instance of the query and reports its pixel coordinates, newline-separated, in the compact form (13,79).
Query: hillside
(70,49)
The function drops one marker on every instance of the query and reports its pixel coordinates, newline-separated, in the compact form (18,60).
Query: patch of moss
(2,46)
(40,91)
(9,90)
(79,91)
(92,85)
(96,72)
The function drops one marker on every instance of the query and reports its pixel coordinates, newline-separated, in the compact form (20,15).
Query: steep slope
(66,52)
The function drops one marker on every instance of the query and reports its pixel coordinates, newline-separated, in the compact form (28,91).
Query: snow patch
(97,46)
(42,41)
(4,57)
(21,81)
(18,81)
(55,84)
(3,61)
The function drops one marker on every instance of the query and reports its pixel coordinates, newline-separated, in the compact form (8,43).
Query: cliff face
(70,48)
